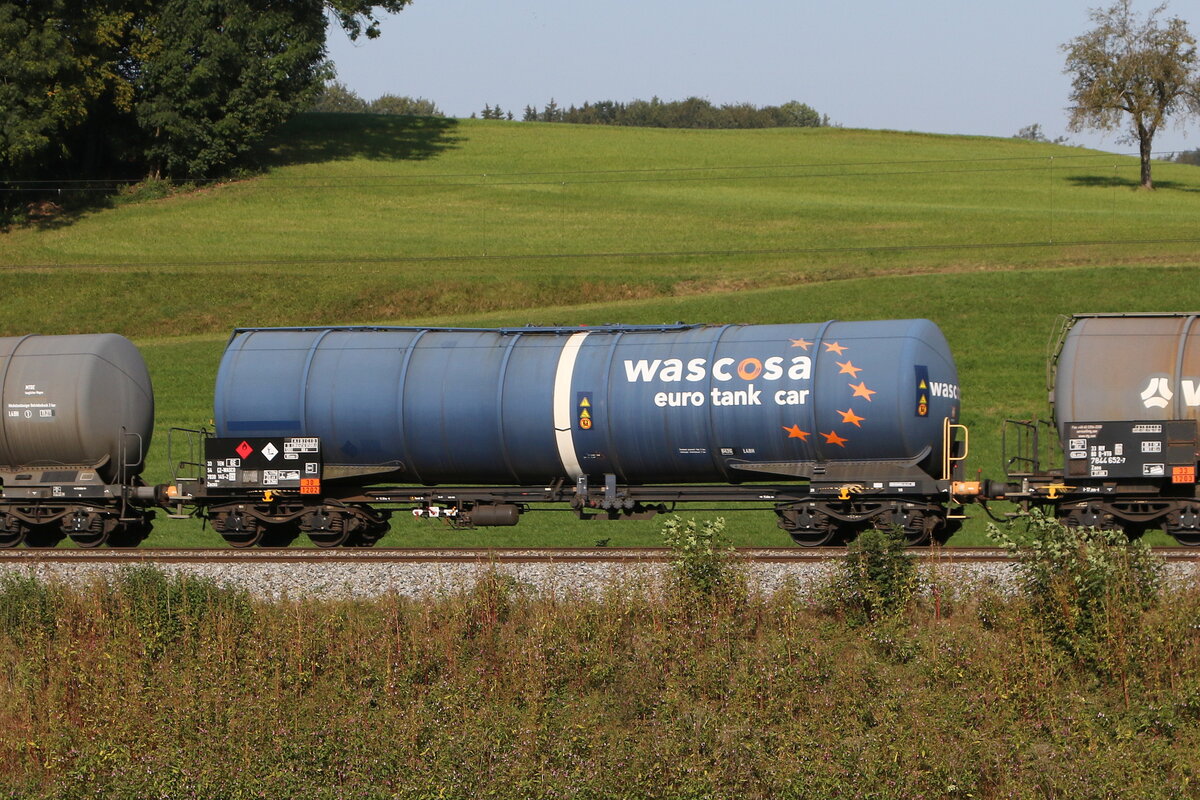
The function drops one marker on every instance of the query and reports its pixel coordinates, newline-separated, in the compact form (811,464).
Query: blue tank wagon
(838,425)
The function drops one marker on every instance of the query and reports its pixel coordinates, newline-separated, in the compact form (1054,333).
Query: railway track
(763,555)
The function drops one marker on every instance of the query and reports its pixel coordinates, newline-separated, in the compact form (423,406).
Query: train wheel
(1184,525)
(824,538)
(332,539)
(367,537)
(368,526)
(344,526)
(238,529)
(326,527)
(945,528)
(919,528)
(809,527)
(12,531)
(89,529)
(1086,515)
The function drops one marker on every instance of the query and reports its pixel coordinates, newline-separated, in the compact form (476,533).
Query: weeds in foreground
(1088,588)
(159,686)
(875,582)
(702,558)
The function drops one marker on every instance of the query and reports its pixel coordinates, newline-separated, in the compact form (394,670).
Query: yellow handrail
(948,458)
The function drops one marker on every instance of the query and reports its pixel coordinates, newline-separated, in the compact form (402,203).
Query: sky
(938,66)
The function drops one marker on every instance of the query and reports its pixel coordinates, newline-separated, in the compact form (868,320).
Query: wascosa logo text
(943,389)
(670,370)
(1159,394)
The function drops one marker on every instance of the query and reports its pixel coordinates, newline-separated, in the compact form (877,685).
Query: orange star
(794,432)
(833,438)
(861,390)
(848,368)
(834,347)
(849,417)
(803,343)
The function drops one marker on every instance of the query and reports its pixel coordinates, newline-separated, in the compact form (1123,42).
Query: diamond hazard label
(244,449)
(270,451)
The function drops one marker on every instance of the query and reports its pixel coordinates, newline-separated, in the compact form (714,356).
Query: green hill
(377,219)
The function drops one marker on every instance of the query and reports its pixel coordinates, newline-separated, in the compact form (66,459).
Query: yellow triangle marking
(923,385)
(585,415)
(584,403)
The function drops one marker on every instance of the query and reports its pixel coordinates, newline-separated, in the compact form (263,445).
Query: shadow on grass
(314,138)
(306,139)
(1114,182)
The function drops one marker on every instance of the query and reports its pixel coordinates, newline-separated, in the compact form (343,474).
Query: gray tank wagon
(1125,392)
(76,422)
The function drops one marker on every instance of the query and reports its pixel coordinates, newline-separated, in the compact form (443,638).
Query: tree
(357,17)
(59,61)
(224,75)
(1146,69)
(1034,133)
(801,115)
(93,87)
(405,106)
(336,97)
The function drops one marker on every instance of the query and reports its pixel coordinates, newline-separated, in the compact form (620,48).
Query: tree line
(336,97)
(694,112)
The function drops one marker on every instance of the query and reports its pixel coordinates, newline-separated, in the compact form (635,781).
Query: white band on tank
(564,420)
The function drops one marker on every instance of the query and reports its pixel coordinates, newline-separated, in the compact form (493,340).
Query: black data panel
(1132,449)
(283,463)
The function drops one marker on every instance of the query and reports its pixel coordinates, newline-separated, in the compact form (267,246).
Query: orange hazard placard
(1183,474)
(310,486)
(583,403)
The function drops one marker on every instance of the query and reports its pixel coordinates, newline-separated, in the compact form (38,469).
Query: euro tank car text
(674,370)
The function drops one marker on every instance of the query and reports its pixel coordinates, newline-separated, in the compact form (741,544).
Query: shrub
(162,608)
(702,558)
(29,607)
(1088,588)
(876,580)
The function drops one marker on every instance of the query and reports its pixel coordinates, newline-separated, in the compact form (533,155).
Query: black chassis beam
(594,496)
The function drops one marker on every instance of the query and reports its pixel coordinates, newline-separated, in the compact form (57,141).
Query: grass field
(378,220)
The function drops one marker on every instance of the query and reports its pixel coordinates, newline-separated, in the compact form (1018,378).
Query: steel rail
(564,555)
